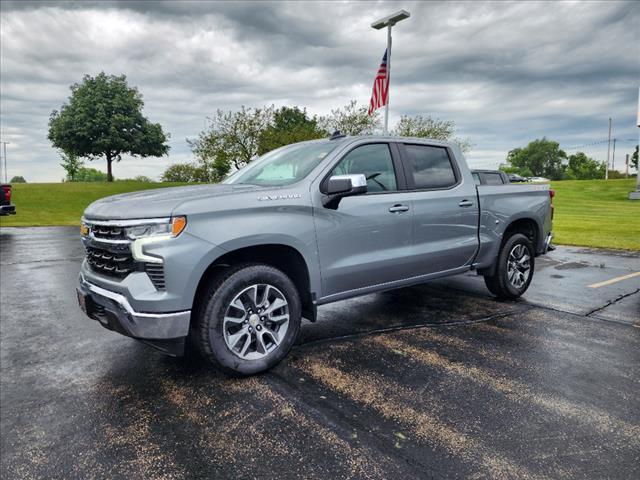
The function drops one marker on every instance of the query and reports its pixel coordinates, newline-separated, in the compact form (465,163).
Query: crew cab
(6,207)
(232,268)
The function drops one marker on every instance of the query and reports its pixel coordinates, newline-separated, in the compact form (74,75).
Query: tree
(71,163)
(427,127)
(289,125)
(185,172)
(541,158)
(634,159)
(582,167)
(350,120)
(232,140)
(18,179)
(103,117)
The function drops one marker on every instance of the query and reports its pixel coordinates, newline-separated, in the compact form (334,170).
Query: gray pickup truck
(231,269)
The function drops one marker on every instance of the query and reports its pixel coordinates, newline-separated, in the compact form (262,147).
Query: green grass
(596,213)
(45,204)
(591,213)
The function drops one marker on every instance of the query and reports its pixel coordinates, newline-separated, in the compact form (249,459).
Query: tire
(243,343)
(501,283)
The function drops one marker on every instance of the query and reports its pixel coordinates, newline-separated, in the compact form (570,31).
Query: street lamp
(389,21)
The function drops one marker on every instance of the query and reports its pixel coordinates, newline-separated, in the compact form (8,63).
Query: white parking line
(614,280)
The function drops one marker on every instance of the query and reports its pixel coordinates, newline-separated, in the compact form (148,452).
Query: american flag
(380,87)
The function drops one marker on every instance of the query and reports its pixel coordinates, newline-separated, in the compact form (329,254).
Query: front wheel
(250,320)
(514,271)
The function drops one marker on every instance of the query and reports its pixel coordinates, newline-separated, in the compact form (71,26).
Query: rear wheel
(514,270)
(250,320)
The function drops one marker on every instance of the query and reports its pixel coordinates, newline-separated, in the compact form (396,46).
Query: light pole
(4,157)
(389,21)
(636,195)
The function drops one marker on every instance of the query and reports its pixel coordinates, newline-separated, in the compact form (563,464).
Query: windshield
(285,165)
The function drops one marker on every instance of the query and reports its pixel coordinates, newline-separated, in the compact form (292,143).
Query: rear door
(445,209)
(367,240)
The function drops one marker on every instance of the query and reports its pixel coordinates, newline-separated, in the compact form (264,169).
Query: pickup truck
(231,269)
(6,207)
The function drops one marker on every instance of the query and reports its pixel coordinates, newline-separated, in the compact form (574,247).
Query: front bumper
(7,209)
(165,331)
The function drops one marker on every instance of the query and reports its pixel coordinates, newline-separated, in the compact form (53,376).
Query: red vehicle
(6,207)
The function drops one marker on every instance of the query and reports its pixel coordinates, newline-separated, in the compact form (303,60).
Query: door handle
(398,208)
(466,203)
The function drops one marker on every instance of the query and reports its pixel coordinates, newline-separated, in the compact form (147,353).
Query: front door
(367,240)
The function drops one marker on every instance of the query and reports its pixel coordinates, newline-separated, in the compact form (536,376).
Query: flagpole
(386,107)
(388,21)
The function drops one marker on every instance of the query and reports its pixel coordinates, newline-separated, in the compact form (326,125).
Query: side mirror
(340,186)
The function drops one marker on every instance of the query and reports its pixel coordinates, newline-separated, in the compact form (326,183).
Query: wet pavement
(435,381)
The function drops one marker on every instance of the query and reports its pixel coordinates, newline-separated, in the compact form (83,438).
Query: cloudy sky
(506,73)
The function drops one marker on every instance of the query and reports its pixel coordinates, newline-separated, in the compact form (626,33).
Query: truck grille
(114,262)
(108,252)
(156,274)
(108,232)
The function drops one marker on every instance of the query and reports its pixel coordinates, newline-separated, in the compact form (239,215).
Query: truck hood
(159,202)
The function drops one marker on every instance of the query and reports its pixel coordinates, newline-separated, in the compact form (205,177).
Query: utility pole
(626,171)
(606,170)
(613,157)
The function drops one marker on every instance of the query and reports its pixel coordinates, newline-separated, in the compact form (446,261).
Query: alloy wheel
(518,265)
(256,321)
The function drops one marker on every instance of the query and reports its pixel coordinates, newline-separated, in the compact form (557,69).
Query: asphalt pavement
(434,381)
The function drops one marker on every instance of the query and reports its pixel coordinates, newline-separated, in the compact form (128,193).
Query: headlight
(172,228)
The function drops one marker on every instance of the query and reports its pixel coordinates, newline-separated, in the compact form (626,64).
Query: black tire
(218,295)
(499,283)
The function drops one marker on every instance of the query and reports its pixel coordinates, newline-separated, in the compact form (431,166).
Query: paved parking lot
(435,381)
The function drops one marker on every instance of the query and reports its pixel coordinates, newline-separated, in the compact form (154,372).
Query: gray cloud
(506,73)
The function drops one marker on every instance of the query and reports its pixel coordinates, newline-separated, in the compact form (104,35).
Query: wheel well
(525,226)
(528,227)
(283,257)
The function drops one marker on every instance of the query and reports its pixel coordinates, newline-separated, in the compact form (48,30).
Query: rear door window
(430,166)
(492,179)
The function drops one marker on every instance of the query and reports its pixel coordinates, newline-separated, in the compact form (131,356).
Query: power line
(600,142)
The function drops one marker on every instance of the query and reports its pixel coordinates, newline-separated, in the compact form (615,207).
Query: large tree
(232,139)
(352,119)
(289,125)
(103,117)
(542,157)
(581,167)
(427,127)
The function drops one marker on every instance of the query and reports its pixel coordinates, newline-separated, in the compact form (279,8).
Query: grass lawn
(45,204)
(591,213)
(596,213)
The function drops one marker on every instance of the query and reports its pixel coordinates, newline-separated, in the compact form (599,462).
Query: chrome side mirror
(340,186)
